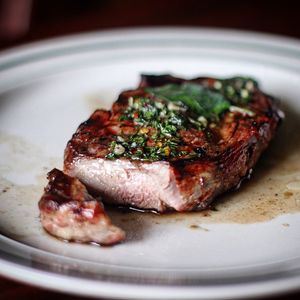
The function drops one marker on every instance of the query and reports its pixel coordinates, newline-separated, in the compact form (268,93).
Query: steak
(69,212)
(172,143)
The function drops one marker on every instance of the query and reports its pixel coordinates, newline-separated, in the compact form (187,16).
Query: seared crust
(67,211)
(230,149)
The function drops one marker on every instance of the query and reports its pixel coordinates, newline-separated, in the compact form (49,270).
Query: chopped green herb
(238,90)
(158,127)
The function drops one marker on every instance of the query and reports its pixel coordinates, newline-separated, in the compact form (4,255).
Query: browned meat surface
(69,212)
(180,160)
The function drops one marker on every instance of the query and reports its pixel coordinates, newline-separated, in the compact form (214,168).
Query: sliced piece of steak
(173,144)
(69,212)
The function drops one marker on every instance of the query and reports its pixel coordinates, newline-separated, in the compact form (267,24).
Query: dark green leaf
(197,98)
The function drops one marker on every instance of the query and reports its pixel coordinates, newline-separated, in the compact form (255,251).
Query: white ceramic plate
(48,88)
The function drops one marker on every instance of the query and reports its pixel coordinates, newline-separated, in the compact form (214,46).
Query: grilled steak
(69,212)
(173,144)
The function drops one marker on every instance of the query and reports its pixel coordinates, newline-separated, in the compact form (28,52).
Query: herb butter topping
(158,125)
(162,118)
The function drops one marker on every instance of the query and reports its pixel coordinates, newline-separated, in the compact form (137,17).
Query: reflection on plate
(248,246)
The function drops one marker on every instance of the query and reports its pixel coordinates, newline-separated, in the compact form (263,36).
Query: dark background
(23,21)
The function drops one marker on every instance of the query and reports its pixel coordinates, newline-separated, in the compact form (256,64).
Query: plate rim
(119,290)
(282,43)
